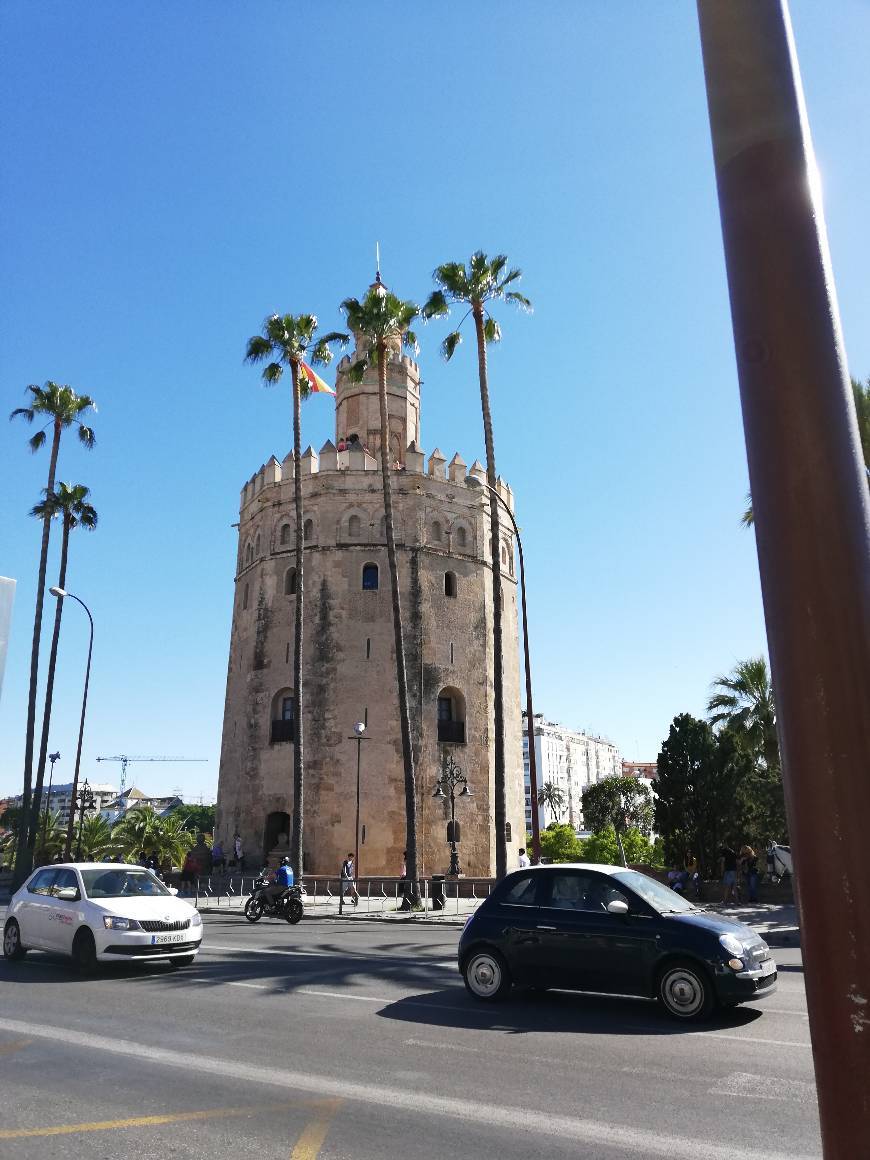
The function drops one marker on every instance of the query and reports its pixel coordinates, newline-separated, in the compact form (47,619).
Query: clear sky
(173,172)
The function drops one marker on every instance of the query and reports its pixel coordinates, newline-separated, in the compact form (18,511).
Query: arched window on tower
(285,534)
(436,532)
(308,531)
(246,593)
(461,538)
(354,527)
(257,546)
(290,582)
(504,555)
(370,577)
(449,583)
(282,717)
(451,716)
(249,554)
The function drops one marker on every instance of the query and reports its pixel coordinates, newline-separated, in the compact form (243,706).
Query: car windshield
(660,898)
(125,882)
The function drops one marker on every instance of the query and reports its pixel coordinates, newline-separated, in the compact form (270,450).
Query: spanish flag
(315,383)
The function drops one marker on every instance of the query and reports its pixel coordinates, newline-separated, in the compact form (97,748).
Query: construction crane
(125,760)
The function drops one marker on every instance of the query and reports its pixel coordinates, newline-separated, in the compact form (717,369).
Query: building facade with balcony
(570,760)
(443,546)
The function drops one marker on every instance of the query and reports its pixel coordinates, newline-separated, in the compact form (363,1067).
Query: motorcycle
(287,905)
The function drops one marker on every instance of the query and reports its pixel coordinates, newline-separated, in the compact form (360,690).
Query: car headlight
(732,945)
(112,922)
(197,919)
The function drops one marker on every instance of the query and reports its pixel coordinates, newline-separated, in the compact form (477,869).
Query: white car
(101,912)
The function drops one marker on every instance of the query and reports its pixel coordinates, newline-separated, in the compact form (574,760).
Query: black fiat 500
(611,930)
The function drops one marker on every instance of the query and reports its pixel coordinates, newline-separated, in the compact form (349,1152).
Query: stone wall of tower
(442,525)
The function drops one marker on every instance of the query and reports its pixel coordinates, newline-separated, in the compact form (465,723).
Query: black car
(607,929)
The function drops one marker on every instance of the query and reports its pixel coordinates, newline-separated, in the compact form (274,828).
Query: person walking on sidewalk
(728,859)
(749,867)
(348,883)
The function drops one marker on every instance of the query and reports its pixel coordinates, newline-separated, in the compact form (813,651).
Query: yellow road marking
(8,1048)
(311,1141)
(133,1122)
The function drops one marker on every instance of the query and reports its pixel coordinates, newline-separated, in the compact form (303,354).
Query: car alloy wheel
(85,952)
(684,991)
(486,975)
(253,910)
(12,948)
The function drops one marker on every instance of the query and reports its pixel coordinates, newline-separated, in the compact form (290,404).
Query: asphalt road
(357,1040)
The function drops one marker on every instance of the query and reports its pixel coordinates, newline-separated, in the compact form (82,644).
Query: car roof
(93,866)
(600,867)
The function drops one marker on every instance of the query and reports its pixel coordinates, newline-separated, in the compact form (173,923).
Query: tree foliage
(559,843)
(553,797)
(620,802)
(197,819)
(603,847)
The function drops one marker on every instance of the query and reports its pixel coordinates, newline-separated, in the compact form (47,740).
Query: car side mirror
(617,906)
(173,889)
(68,894)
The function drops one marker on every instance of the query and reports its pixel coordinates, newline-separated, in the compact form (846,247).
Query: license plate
(167,938)
(767,968)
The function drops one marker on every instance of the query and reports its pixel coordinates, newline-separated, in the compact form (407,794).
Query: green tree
(286,341)
(861,393)
(603,847)
(10,826)
(141,831)
(621,802)
(483,281)
(97,840)
(70,503)
(50,838)
(198,819)
(559,843)
(381,324)
(60,408)
(553,797)
(743,702)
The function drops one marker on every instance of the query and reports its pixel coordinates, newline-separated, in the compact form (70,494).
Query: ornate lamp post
(84,800)
(449,780)
(52,757)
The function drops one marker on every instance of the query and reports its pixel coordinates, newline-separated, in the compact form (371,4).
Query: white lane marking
(341,995)
(784,1011)
(255,986)
(764,1087)
(645,1143)
(753,1041)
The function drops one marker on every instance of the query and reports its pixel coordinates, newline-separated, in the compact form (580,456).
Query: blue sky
(172,173)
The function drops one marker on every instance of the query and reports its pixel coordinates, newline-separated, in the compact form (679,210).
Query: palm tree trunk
(23,860)
(412,883)
(500,802)
(49,693)
(296,852)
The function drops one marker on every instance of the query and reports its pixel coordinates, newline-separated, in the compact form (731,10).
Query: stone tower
(444,559)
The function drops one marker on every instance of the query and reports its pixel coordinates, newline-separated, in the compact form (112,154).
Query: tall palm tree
(484,280)
(286,340)
(381,322)
(744,704)
(552,796)
(70,502)
(60,407)
(97,840)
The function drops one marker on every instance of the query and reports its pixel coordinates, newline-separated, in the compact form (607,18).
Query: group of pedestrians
(738,867)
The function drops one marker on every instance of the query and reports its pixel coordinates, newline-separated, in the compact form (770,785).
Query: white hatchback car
(101,912)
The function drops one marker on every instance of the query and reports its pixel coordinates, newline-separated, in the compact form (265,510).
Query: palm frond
(519,300)
(86,436)
(409,340)
(453,278)
(358,369)
(496,266)
(491,330)
(272,373)
(748,517)
(37,441)
(25,413)
(258,348)
(449,345)
(436,306)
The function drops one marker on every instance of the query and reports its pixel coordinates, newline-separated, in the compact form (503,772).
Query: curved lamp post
(52,757)
(358,731)
(473,481)
(61,594)
(449,780)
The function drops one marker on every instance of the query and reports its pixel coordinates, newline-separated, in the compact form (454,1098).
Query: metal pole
(530,711)
(356,845)
(72,812)
(52,757)
(812,521)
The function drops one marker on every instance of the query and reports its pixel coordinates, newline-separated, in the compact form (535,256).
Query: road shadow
(525,1012)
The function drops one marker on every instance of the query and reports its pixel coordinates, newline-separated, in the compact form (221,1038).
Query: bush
(559,843)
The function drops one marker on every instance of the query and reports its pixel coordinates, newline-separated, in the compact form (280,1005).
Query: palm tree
(861,393)
(744,704)
(50,838)
(483,281)
(62,408)
(551,795)
(286,340)
(142,830)
(96,838)
(381,323)
(70,503)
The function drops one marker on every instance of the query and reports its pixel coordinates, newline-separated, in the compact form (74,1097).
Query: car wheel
(183,960)
(486,975)
(253,910)
(84,952)
(685,991)
(12,948)
(293,911)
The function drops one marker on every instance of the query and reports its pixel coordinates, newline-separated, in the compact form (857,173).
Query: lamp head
(58,592)
(439,792)
(359,728)
(54,756)
(465,792)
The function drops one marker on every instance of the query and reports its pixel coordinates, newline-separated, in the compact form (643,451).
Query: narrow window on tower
(370,577)
(287,654)
(449,583)
(245,596)
(451,652)
(368,648)
(366,717)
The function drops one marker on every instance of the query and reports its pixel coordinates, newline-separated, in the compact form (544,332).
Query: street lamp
(358,731)
(473,481)
(60,594)
(84,801)
(450,779)
(52,757)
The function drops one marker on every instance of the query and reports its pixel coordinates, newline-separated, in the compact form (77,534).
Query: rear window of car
(125,882)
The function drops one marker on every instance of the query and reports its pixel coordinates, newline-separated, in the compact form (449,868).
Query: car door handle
(547,928)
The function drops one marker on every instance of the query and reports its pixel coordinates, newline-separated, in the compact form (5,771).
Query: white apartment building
(571,760)
(60,799)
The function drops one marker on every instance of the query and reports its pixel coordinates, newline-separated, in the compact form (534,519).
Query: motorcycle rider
(283,881)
